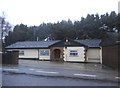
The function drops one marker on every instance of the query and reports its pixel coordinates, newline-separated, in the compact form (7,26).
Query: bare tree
(5,27)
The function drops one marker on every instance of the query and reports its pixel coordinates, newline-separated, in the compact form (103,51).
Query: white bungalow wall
(41,57)
(33,53)
(79,58)
(93,55)
(29,53)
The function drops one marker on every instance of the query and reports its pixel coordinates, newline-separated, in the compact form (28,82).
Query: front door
(57,55)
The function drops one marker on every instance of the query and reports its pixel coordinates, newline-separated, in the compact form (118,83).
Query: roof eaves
(29,48)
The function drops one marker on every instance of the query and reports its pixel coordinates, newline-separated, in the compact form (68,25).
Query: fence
(10,57)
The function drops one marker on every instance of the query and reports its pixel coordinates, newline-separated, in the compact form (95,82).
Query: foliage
(93,27)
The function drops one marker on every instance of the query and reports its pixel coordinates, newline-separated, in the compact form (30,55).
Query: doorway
(57,55)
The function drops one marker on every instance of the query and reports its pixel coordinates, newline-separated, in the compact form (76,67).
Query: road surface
(10,79)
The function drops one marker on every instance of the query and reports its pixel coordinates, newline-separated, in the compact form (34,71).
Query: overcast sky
(35,12)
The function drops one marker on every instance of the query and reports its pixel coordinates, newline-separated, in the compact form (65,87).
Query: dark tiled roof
(46,44)
(31,44)
(93,43)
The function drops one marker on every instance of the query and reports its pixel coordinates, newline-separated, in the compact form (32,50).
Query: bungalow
(87,50)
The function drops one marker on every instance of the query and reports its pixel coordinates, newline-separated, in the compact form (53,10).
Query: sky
(35,12)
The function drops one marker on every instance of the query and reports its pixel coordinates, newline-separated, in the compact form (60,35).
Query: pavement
(88,71)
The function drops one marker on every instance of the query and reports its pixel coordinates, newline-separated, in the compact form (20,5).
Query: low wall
(10,57)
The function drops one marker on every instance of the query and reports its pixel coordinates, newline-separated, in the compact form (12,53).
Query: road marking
(85,75)
(47,72)
(117,77)
(12,69)
(31,69)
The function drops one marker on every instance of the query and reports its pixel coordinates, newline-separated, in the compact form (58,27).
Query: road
(46,73)
(10,79)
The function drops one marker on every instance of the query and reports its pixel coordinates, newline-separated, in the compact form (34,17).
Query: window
(44,52)
(21,53)
(73,53)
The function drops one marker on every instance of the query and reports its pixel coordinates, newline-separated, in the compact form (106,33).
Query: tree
(93,27)
(20,33)
(5,28)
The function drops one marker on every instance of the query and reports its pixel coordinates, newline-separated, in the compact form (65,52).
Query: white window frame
(21,53)
(44,53)
(73,53)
